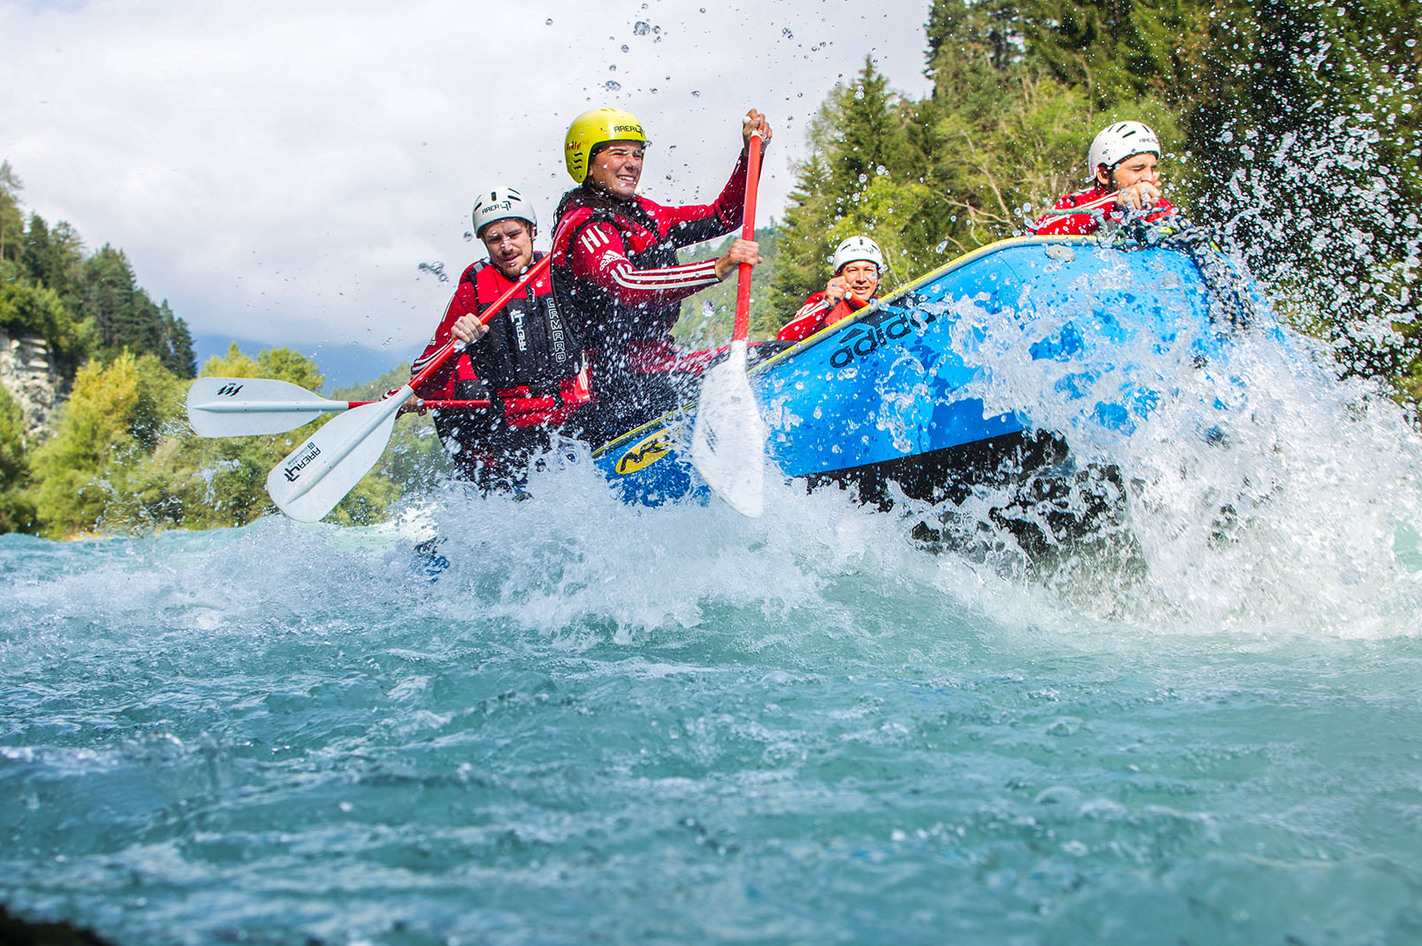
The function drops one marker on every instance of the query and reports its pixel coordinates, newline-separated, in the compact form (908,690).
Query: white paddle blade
(242,407)
(318,474)
(728,440)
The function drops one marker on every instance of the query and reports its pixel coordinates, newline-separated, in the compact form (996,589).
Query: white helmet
(857,248)
(499,203)
(1118,142)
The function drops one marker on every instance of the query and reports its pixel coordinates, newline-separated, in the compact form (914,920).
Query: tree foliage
(123,459)
(11,220)
(81,306)
(17,513)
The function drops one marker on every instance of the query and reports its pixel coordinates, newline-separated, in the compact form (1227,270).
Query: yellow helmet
(594,128)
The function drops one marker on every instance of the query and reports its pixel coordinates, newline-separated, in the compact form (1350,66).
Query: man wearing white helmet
(1123,168)
(857,264)
(527,358)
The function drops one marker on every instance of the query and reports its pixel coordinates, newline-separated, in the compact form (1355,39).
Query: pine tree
(861,152)
(175,348)
(12,224)
(54,258)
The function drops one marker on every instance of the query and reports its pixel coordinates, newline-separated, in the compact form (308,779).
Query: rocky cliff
(28,374)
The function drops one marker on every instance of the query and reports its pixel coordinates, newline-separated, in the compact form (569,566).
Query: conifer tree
(860,154)
(54,258)
(12,224)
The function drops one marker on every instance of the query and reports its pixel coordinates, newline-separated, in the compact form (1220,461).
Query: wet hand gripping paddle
(728,440)
(243,407)
(320,472)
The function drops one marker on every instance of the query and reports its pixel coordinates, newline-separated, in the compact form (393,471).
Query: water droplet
(786,33)
(548,22)
(612,68)
(641,28)
(612,86)
(624,47)
(695,94)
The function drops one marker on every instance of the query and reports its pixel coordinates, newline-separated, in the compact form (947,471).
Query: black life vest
(529,343)
(607,326)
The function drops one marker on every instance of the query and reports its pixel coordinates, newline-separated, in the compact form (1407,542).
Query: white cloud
(279,170)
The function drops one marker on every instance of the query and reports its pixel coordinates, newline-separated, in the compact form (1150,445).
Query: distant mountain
(344,366)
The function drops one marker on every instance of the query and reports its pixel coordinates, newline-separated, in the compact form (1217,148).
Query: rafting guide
(615,269)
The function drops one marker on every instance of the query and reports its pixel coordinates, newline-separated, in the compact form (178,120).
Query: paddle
(318,474)
(241,407)
(728,440)
(1101,201)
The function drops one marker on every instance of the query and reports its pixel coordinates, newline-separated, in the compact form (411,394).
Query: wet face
(616,168)
(1138,168)
(861,279)
(510,245)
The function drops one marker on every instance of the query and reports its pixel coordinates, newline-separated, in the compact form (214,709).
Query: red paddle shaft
(743,284)
(451,346)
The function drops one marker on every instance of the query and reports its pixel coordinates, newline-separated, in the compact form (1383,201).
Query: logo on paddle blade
(229,390)
(308,453)
(644,453)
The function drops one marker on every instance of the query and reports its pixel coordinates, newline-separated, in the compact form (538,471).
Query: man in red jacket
(857,264)
(527,359)
(1124,162)
(615,268)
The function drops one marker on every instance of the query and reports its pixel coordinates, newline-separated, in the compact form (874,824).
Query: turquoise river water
(614,725)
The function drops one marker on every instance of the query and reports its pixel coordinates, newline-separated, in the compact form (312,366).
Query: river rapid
(608,724)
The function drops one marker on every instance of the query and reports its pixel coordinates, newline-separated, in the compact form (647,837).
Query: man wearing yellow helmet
(615,269)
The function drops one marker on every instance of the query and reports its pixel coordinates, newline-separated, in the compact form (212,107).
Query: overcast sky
(278,171)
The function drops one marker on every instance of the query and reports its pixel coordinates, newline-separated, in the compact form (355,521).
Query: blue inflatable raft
(908,396)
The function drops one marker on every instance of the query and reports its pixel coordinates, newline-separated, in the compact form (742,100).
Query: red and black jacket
(531,357)
(1055,222)
(615,269)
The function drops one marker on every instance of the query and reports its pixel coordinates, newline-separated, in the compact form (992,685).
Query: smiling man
(615,269)
(857,262)
(527,357)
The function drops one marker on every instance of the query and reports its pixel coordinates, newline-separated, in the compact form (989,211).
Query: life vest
(529,360)
(529,343)
(607,326)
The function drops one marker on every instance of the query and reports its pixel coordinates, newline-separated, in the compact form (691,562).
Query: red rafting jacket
(1050,224)
(616,273)
(817,313)
(530,358)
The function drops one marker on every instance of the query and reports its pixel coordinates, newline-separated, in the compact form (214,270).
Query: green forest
(1290,126)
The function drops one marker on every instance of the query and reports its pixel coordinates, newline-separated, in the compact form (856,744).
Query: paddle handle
(743,278)
(453,345)
(1101,201)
